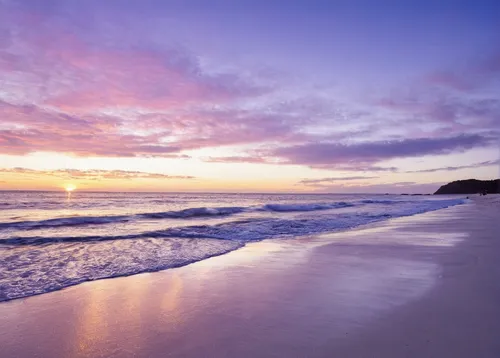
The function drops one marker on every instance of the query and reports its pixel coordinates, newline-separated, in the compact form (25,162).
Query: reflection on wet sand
(169,314)
(91,324)
(99,313)
(138,303)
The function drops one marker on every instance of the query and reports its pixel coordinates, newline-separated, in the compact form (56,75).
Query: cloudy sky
(248,95)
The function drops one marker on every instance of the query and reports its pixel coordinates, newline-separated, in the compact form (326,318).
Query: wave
(194,212)
(388,202)
(36,265)
(70,221)
(305,207)
(279,227)
(179,214)
(257,229)
(191,213)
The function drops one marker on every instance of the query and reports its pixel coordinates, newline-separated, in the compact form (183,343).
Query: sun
(69,188)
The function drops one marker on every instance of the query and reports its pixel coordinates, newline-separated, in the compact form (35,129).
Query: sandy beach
(421,286)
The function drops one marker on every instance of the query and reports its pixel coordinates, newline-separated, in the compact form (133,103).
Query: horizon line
(204,192)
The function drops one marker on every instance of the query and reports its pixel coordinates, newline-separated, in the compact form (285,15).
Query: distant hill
(470,186)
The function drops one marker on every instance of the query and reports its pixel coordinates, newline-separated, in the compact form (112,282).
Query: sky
(248,96)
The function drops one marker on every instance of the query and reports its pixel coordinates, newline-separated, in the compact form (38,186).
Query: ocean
(51,240)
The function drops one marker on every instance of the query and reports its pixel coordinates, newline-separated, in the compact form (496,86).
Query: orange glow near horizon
(43,182)
(194,175)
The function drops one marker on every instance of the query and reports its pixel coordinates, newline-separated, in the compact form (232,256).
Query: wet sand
(422,286)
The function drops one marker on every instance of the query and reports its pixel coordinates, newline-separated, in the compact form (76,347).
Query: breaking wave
(184,214)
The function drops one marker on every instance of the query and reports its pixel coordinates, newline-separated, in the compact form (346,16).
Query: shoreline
(380,289)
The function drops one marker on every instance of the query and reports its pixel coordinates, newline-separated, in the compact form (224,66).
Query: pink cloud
(146,78)
(27,128)
(226,126)
(92,174)
(325,181)
(238,159)
(77,75)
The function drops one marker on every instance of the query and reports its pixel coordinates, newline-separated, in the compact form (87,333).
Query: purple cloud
(455,168)
(393,188)
(315,182)
(470,77)
(367,153)
(447,102)
(453,113)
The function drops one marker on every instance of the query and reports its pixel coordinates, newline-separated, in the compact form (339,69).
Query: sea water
(51,240)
